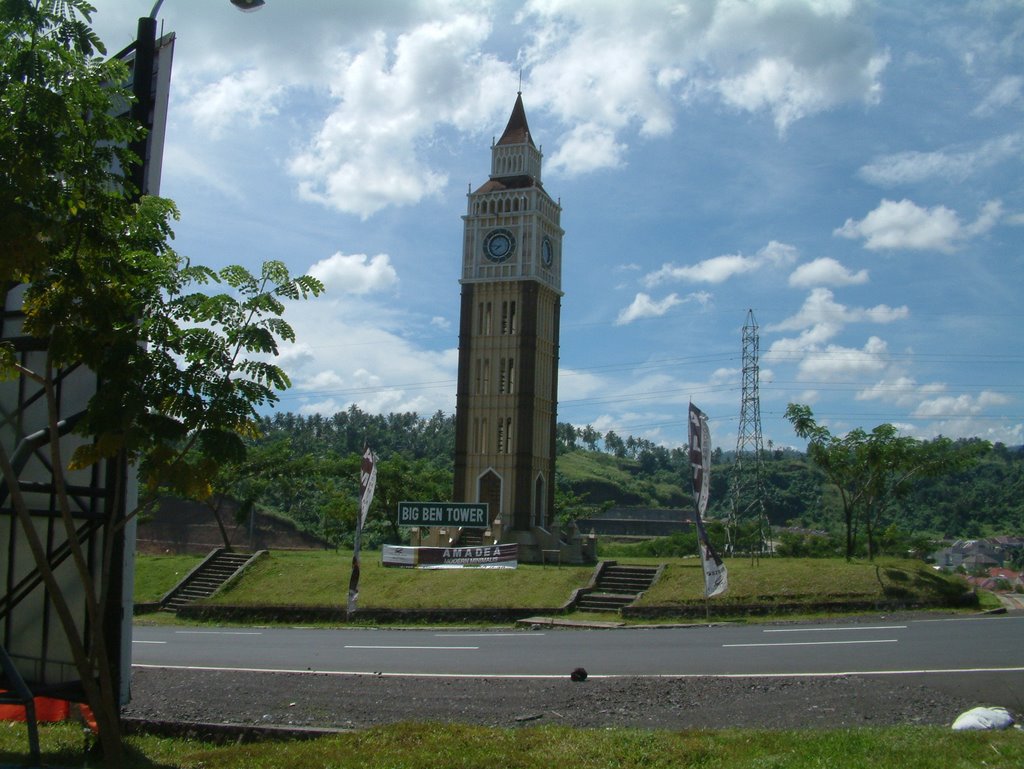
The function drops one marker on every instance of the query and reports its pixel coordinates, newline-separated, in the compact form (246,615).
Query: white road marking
(488,635)
(995,618)
(148,642)
(816,643)
(413,648)
(217,632)
(549,676)
(833,629)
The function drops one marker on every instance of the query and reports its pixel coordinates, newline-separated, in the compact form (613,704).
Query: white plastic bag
(983,718)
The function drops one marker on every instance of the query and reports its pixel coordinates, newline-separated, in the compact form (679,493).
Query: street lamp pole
(142,89)
(142,86)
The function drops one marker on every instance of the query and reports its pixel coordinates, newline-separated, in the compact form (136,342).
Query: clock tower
(508,346)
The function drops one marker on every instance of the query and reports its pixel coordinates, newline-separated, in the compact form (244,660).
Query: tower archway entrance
(489,491)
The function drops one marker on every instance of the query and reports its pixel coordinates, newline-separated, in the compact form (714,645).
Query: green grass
(436,746)
(321,579)
(804,580)
(156,574)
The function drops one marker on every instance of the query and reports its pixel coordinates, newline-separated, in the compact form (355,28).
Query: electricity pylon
(748,489)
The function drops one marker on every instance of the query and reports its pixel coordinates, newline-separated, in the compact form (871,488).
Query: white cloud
(951,165)
(719,269)
(387,101)
(369,106)
(645,307)
(778,254)
(820,319)
(826,271)
(990,215)
(612,66)
(359,353)
(905,225)
(725,375)
(587,147)
(836,362)
(190,165)
(793,60)
(574,385)
(969,427)
(396,75)
(820,310)
(959,405)
(1006,93)
(357,347)
(900,390)
(236,99)
(355,273)
(790,93)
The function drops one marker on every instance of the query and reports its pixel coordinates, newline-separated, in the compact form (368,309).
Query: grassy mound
(809,581)
(317,579)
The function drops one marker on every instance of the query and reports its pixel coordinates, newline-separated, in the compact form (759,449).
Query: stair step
(616,587)
(208,580)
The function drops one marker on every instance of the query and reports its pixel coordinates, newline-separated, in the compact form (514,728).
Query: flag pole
(716,579)
(367,485)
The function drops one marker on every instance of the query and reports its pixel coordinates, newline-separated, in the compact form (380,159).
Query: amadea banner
(482,557)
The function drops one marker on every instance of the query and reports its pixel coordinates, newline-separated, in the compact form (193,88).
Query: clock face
(547,252)
(499,245)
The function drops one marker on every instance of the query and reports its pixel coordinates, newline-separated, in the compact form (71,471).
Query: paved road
(980,644)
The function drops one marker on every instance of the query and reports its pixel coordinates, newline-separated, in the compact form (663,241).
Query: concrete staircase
(616,586)
(470,538)
(206,579)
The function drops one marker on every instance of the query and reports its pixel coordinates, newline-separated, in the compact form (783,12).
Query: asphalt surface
(804,686)
(881,644)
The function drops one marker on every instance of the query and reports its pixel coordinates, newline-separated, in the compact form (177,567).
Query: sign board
(468,515)
(482,557)
(151,151)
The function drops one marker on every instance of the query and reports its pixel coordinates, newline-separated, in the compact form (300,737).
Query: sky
(848,172)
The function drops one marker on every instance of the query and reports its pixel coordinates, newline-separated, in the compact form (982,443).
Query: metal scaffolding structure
(748,488)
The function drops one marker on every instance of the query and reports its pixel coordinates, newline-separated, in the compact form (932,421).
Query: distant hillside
(593,472)
(985,500)
(605,479)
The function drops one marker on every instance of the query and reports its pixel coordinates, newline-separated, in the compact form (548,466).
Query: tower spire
(518,130)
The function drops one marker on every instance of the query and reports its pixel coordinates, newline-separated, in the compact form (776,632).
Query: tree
(614,444)
(401,479)
(569,506)
(871,470)
(60,146)
(565,437)
(267,464)
(182,371)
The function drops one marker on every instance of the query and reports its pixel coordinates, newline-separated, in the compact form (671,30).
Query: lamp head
(248,5)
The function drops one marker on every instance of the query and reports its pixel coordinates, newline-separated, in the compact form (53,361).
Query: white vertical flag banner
(367,485)
(716,578)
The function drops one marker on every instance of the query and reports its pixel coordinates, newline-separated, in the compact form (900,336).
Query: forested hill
(596,471)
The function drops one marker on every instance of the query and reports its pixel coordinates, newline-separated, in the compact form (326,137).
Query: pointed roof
(517,131)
